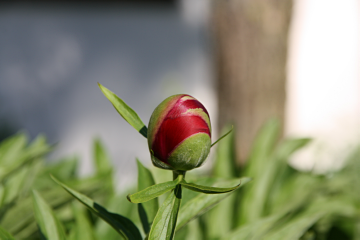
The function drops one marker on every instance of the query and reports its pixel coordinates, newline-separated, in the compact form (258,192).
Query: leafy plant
(194,149)
(279,203)
(23,170)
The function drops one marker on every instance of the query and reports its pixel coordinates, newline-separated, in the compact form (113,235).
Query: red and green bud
(179,133)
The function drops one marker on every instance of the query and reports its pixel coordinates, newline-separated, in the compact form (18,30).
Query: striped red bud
(179,133)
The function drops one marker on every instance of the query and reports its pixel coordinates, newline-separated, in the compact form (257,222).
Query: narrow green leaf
(83,228)
(152,191)
(122,225)
(254,230)
(65,169)
(320,207)
(122,206)
(220,219)
(11,148)
(4,235)
(125,111)
(203,202)
(225,162)
(55,197)
(232,127)
(264,144)
(149,209)
(101,158)
(279,174)
(294,229)
(18,156)
(143,218)
(206,189)
(14,185)
(261,167)
(49,225)
(163,227)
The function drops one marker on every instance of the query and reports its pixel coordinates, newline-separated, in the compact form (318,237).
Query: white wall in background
(323,81)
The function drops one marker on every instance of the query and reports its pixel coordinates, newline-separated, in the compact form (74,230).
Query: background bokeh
(52,56)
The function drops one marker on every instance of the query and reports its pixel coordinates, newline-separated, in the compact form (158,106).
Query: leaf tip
(53,178)
(128,198)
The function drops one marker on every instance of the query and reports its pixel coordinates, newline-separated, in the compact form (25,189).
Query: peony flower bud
(179,133)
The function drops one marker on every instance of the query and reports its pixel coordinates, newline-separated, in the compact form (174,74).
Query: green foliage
(49,225)
(125,111)
(152,191)
(207,189)
(279,203)
(83,227)
(4,235)
(282,202)
(165,220)
(22,169)
(148,210)
(203,202)
(121,224)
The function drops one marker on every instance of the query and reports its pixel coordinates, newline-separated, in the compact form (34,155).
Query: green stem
(177,173)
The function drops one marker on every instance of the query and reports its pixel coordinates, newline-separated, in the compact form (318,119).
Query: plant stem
(176,174)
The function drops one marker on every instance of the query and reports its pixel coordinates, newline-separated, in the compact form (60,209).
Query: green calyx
(191,153)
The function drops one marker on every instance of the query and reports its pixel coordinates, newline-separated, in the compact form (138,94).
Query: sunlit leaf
(55,197)
(14,185)
(152,191)
(165,220)
(122,225)
(83,227)
(207,189)
(11,148)
(203,202)
(261,167)
(125,111)
(49,225)
(101,158)
(120,205)
(220,219)
(16,156)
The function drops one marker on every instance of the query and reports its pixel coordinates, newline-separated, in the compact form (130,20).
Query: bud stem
(180,174)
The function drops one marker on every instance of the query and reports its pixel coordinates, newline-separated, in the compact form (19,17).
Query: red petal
(182,106)
(175,130)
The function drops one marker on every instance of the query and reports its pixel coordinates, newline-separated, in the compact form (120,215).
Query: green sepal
(206,189)
(164,223)
(125,111)
(232,127)
(157,163)
(153,191)
(190,153)
(125,227)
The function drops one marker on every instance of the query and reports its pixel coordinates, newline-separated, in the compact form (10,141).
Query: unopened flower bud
(179,133)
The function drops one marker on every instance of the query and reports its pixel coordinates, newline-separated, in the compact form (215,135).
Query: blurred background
(246,61)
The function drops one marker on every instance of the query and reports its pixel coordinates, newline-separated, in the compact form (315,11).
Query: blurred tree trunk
(250,38)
